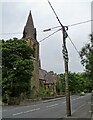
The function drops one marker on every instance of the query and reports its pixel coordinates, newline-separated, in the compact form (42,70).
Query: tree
(77,83)
(87,60)
(60,85)
(17,68)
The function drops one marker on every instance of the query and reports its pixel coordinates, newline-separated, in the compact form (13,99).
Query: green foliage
(45,92)
(87,60)
(77,82)
(17,67)
(60,87)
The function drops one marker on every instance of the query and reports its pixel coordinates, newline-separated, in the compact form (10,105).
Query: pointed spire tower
(29,34)
(29,30)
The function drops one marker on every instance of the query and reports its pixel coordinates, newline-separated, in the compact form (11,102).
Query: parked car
(82,94)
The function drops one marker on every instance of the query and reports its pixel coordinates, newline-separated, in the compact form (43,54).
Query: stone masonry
(29,34)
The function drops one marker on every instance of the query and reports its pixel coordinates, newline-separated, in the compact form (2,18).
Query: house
(48,80)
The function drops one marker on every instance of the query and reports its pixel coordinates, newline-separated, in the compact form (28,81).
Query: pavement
(80,113)
(92,106)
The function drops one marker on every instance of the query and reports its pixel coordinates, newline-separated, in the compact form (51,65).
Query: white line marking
(26,111)
(78,98)
(63,102)
(26,106)
(29,105)
(90,111)
(17,113)
(52,105)
(32,110)
(19,107)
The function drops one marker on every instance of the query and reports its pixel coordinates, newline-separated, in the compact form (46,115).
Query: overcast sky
(14,16)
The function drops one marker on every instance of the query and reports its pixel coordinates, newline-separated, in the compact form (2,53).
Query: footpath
(92,106)
(85,112)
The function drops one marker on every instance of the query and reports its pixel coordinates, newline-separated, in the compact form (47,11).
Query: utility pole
(65,56)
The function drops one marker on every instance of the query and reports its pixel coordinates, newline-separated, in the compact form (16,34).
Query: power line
(81,23)
(10,33)
(60,29)
(55,14)
(73,45)
(49,29)
(69,25)
(49,35)
(68,37)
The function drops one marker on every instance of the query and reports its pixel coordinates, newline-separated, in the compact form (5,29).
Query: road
(80,107)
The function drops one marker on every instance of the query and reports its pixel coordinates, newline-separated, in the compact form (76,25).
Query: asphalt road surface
(80,107)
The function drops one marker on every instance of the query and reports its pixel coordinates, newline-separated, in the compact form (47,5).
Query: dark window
(34,55)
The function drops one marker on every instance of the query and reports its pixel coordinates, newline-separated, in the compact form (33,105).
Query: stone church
(29,34)
(40,76)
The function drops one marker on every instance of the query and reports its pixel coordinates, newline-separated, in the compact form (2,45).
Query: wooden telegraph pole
(65,56)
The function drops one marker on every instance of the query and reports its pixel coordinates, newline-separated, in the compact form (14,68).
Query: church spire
(29,30)
(30,20)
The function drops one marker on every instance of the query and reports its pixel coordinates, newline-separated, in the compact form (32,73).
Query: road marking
(26,106)
(26,111)
(32,110)
(29,106)
(52,105)
(78,98)
(90,111)
(17,113)
(19,107)
(63,102)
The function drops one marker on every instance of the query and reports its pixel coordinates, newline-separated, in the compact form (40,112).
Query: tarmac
(76,115)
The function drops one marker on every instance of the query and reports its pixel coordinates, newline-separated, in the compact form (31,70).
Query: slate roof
(45,76)
(42,74)
(49,78)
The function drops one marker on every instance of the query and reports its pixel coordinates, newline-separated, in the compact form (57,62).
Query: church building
(40,76)
(29,34)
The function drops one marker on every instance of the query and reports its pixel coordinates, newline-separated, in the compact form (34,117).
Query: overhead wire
(49,29)
(80,23)
(74,24)
(10,33)
(49,35)
(74,46)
